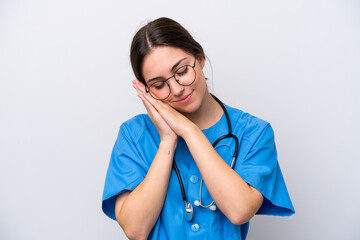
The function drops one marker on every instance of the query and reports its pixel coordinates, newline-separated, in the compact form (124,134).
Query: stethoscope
(189,210)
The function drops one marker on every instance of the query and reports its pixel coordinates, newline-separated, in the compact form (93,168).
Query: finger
(139,85)
(158,105)
(137,90)
(135,85)
(172,117)
(141,88)
(154,115)
(149,108)
(145,101)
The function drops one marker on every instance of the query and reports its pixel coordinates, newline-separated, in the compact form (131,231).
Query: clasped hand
(169,122)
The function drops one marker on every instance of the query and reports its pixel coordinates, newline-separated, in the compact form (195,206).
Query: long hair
(161,32)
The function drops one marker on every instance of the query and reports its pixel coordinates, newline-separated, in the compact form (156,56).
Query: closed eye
(182,71)
(158,85)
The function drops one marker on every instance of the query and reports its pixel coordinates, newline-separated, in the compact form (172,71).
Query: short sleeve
(260,169)
(126,170)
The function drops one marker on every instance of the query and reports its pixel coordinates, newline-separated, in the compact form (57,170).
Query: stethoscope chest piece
(189,211)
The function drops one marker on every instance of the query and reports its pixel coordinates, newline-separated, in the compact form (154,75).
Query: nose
(175,88)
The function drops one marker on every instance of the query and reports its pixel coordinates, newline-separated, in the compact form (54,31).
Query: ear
(202,62)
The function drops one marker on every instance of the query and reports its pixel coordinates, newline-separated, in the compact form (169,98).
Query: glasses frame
(147,89)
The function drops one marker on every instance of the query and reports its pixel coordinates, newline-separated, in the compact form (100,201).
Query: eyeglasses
(185,76)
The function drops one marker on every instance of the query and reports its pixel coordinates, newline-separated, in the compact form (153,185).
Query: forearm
(235,198)
(142,207)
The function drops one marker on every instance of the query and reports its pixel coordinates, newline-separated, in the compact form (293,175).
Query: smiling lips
(185,100)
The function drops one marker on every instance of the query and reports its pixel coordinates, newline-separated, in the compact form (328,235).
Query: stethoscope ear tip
(213,208)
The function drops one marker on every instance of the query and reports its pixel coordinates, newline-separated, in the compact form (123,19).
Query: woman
(165,179)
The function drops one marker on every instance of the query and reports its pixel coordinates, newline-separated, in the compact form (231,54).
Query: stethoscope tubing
(180,181)
(232,164)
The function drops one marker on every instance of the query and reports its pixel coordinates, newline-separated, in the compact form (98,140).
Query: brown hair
(161,32)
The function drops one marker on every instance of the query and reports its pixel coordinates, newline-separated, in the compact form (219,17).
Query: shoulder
(135,127)
(249,125)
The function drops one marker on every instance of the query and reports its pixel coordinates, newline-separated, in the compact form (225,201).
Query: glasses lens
(185,75)
(159,90)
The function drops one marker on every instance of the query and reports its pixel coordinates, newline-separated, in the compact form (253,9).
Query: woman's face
(161,63)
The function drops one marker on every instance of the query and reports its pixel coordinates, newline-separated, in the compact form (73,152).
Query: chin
(187,109)
(191,107)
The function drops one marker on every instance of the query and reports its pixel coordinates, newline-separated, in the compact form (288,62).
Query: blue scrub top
(257,164)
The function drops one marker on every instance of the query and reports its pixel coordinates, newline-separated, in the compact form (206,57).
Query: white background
(65,89)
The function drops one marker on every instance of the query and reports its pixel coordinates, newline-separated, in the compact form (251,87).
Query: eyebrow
(171,70)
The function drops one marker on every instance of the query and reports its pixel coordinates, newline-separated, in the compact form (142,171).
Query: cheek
(200,82)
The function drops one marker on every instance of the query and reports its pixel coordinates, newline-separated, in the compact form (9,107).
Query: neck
(208,113)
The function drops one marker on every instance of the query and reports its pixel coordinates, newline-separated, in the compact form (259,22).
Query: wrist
(190,130)
(168,143)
